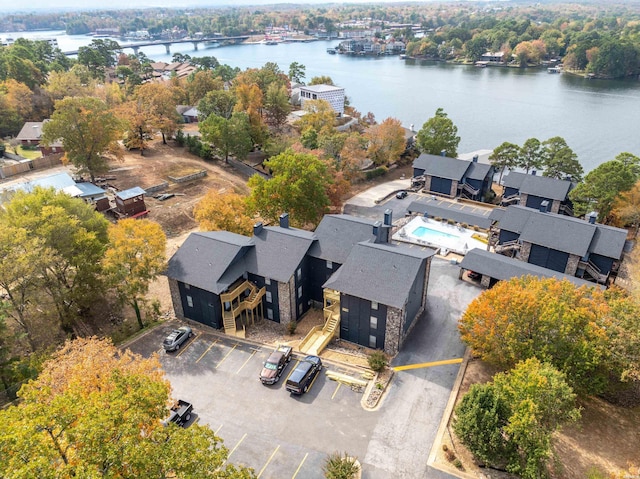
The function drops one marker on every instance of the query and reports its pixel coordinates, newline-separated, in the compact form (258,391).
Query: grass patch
(30,154)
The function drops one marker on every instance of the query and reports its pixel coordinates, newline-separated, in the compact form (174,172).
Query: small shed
(94,195)
(130,203)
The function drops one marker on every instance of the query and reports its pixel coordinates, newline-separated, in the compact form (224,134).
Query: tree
(602,185)
(321,80)
(19,98)
(228,137)
(320,116)
(98,56)
(89,131)
(297,72)
(250,100)
(75,237)
(504,157)
(544,318)
(626,208)
(217,102)
(134,258)
(385,142)
(332,143)
(353,156)
(510,421)
(200,83)
(223,211)
(158,101)
(276,105)
(298,186)
(530,155)
(96,410)
(560,161)
(438,134)
(138,121)
(68,83)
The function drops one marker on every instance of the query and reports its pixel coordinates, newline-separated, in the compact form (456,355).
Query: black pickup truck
(180,413)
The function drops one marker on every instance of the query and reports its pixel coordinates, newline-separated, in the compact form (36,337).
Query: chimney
(475,158)
(388,216)
(257,228)
(377,231)
(593,216)
(544,206)
(284,220)
(533,172)
(443,153)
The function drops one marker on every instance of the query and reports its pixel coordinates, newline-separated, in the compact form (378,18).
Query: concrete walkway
(370,196)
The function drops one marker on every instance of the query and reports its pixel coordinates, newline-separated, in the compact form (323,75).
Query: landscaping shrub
(340,466)
(380,171)
(291,327)
(377,361)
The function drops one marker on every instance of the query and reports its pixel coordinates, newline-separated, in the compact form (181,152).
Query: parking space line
(245,363)
(428,365)
(268,461)
(227,355)
(293,368)
(216,432)
(187,345)
(300,466)
(235,447)
(208,349)
(336,391)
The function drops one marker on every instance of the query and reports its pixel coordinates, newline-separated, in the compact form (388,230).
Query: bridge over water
(167,43)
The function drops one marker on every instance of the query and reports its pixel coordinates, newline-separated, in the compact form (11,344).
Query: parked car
(401,194)
(473,275)
(302,377)
(275,365)
(180,413)
(176,338)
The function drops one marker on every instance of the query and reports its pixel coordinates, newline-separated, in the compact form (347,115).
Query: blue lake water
(597,118)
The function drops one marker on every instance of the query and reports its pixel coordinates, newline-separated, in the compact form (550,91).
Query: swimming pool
(423,231)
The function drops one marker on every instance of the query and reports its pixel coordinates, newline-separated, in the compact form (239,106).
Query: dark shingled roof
(608,241)
(204,258)
(514,218)
(497,214)
(337,234)
(458,212)
(558,232)
(442,166)
(504,268)
(478,171)
(383,273)
(514,179)
(541,186)
(278,251)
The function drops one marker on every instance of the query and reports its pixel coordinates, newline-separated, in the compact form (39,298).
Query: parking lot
(264,427)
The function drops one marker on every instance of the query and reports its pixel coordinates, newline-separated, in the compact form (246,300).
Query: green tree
(96,410)
(559,160)
(530,155)
(158,101)
(321,80)
(98,56)
(228,137)
(320,116)
(297,72)
(75,237)
(89,131)
(604,184)
(438,134)
(217,102)
(298,185)
(134,258)
(276,105)
(504,157)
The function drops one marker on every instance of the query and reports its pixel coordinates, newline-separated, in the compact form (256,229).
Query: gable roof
(278,251)
(541,186)
(513,180)
(441,166)
(338,234)
(504,268)
(89,189)
(205,257)
(477,171)
(383,273)
(458,212)
(514,218)
(31,131)
(608,241)
(130,193)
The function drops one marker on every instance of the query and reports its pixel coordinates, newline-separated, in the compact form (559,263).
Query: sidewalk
(375,193)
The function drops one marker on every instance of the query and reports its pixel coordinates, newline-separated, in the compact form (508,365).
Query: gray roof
(442,166)
(541,186)
(278,252)
(478,171)
(515,218)
(338,234)
(458,212)
(383,273)
(204,258)
(504,268)
(130,193)
(558,232)
(514,179)
(31,130)
(497,214)
(608,241)
(320,88)
(89,189)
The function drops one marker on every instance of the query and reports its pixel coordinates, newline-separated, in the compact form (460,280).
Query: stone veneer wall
(555,206)
(572,265)
(427,183)
(525,251)
(523,199)
(454,189)
(287,301)
(393,331)
(175,298)
(485,281)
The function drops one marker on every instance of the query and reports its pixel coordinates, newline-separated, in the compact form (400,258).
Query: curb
(444,422)
(370,386)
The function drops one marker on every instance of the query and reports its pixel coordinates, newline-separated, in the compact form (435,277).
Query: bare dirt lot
(605,439)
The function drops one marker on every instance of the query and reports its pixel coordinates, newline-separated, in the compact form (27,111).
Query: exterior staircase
(240,307)
(593,271)
(507,247)
(509,200)
(317,339)
(467,188)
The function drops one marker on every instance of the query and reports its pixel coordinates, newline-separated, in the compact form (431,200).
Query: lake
(597,118)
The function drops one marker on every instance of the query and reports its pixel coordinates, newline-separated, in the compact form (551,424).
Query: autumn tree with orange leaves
(223,211)
(385,142)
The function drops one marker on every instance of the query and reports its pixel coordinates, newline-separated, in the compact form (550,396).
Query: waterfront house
(331,94)
(374,291)
(532,190)
(492,57)
(452,177)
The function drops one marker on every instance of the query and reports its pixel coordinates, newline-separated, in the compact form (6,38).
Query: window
(300,309)
(190,301)
(373,322)
(346,310)
(329,264)
(299,274)
(187,286)
(267,281)
(268,296)
(270,314)
(299,291)
(372,341)
(374,305)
